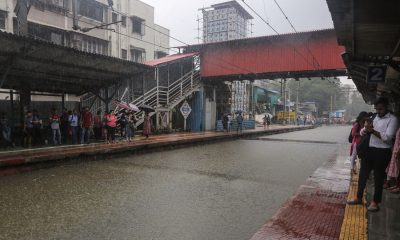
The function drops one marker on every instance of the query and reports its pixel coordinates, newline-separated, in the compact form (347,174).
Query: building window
(3,17)
(138,25)
(123,21)
(114,17)
(159,54)
(92,45)
(138,55)
(124,54)
(91,9)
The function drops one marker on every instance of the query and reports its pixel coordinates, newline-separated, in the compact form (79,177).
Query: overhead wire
(294,29)
(230,64)
(278,34)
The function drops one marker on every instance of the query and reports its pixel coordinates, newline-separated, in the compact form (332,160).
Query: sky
(180,16)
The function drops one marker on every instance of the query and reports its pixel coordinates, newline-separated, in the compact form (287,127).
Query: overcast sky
(180,16)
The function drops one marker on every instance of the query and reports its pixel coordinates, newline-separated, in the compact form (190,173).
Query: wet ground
(218,191)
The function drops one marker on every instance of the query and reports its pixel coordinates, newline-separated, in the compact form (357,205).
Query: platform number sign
(185,109)
(376,74)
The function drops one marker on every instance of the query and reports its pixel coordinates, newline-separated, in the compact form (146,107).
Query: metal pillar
(106,100)
(284,101)
(62,102)
(12,105)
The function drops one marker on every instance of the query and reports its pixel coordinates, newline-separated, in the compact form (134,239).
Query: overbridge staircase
(159,97)
(168,97)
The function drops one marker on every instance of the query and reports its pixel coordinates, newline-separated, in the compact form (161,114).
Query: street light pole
(284,100)
(330,112)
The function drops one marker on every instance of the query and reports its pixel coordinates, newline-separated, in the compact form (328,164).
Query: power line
(232,65)
(123,34)
(294,29)
(277,33)
(284,14)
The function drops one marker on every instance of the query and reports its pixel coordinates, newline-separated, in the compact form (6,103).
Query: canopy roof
(170,58)
(46,67)
(369,30)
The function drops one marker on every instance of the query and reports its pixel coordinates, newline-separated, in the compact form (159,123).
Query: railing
(161,96)
(169,96)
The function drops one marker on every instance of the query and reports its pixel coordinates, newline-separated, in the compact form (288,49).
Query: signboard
(376,74)
(288,115)
(186,109)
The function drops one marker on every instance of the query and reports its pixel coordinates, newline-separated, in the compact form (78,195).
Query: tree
(319,91)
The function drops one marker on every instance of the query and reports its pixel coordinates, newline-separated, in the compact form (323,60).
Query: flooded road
(219,191)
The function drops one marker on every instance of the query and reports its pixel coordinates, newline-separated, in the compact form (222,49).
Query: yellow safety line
(354,225)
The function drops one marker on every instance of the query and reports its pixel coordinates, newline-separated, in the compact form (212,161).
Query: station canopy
(369,31)
(28,63)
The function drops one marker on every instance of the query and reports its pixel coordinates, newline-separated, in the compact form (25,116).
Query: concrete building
(225,21)
(136,37)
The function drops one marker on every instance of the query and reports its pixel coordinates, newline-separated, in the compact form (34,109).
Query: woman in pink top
(393,169)
(111,124)
(355,132)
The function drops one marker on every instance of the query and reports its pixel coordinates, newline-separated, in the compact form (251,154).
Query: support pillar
(106,100)
(62,102)
(157,120)
(12,105)
(24,101)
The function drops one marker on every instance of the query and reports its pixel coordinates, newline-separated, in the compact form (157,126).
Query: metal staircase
(168,97)
(165,97)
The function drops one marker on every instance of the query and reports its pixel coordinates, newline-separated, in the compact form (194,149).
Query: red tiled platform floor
(317,210)
(9,160)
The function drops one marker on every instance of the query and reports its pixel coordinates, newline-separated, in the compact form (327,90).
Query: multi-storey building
(225,21)
(135,37)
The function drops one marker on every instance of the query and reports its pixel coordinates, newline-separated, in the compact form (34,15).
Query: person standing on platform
(130,127)
(86,125)
(111,124)
(356,138)
(37,128)
(97,125)
(225,121)
(65,125)
(394,166)
(28,129)
(147,125)
(73,120)
(6,130)
(379,152)
(239,120)
(55,126)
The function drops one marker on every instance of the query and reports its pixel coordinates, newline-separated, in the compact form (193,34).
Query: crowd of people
(71,127)
(375,143)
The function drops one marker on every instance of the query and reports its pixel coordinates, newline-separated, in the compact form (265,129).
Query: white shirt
(73,120)
(387,127)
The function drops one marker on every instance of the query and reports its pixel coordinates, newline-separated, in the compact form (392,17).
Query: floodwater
(218,191)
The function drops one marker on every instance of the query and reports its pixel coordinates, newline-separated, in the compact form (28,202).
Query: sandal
(395,190)
(354,202)
(374,208)
(392,187)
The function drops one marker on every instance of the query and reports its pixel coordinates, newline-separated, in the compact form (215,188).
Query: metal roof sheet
(170,58)
(46,67)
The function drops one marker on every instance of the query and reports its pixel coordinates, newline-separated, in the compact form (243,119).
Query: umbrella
(126,106)
(134,107)
(147,108)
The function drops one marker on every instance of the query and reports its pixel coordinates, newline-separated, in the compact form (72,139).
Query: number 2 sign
(376,74)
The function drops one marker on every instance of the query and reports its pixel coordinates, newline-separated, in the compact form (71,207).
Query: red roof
(170,58)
